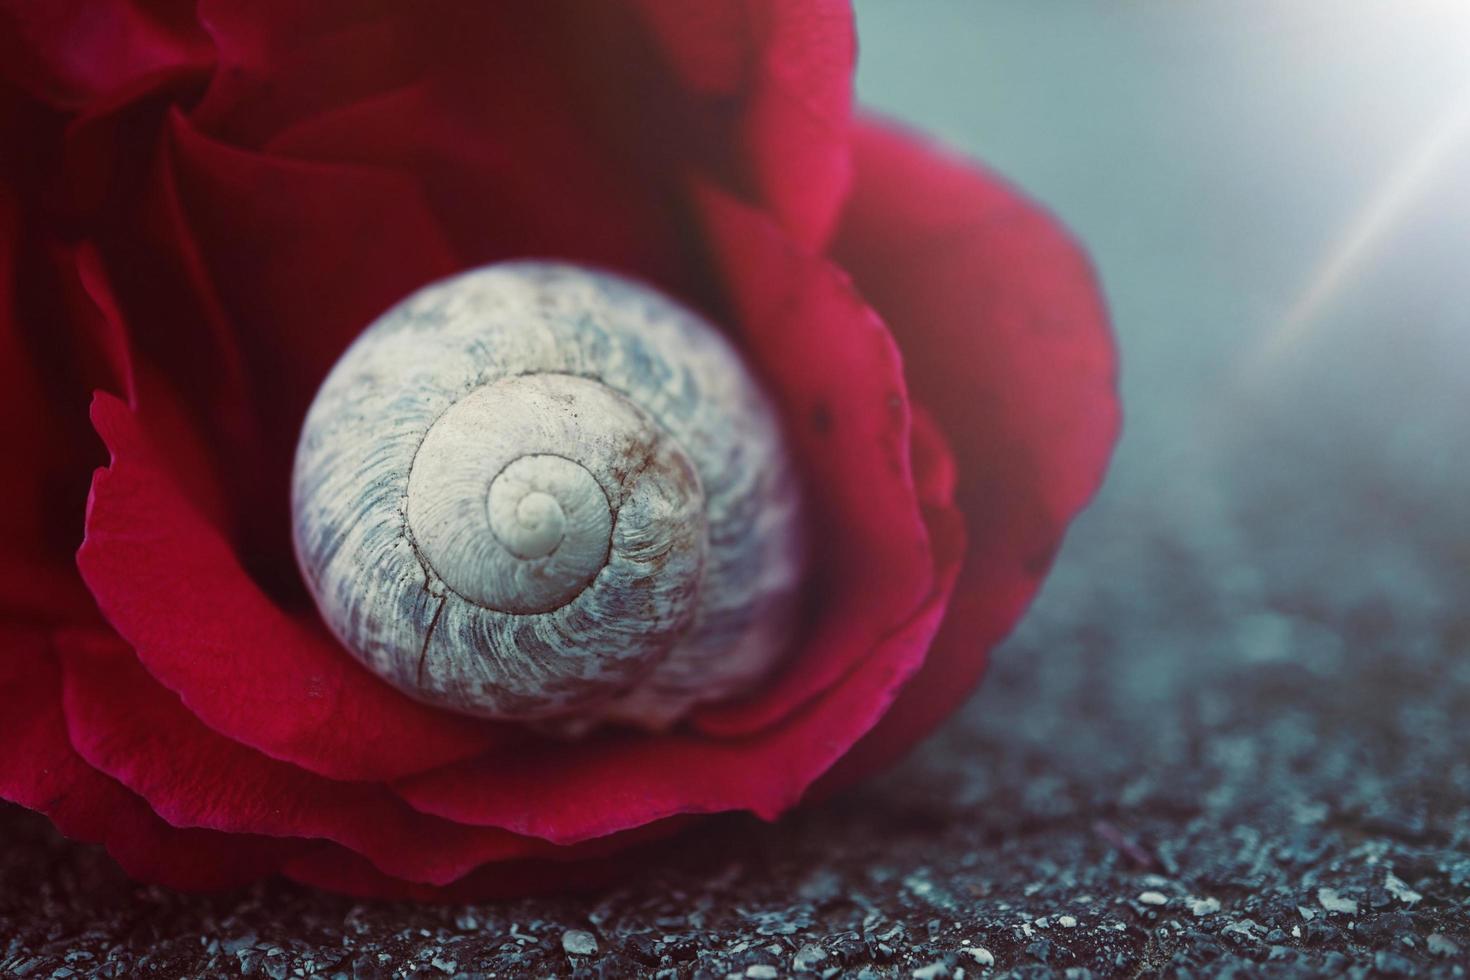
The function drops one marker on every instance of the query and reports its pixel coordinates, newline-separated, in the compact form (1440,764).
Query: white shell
(535,491)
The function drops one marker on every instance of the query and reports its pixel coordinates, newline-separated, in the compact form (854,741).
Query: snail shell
(535,491)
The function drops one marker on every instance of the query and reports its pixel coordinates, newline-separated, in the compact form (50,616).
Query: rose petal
(762,85)
(1005,338)
(880,595)
(70,52)
(243,664)
(833,367)
(788,67)
(47,368)
(127,726)
(33,583)
(150,284)
(615,782)
(506,178)
(488,109)
(303,257)
(170,582)
(280,61)
(39,769)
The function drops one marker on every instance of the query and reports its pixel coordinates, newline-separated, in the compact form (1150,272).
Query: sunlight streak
(1410,179)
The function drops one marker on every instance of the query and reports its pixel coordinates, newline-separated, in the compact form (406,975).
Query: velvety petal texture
(1004,332)
(216,197)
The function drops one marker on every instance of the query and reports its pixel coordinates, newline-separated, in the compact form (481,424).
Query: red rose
(202,207)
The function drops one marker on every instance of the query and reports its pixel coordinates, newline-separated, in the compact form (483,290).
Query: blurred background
(1277,195)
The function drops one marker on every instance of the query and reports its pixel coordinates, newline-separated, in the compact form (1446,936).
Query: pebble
(981,955)
(1204,906)
(1442,945)
(1154,898)
(762,971)
(1401,891)
(809,957)
(1392,964)
(1330,900)
(578,942)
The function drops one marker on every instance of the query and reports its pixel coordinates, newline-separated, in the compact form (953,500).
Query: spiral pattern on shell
(536,491)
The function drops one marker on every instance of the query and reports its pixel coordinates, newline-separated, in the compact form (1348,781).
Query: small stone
(1204,906)
(233,945)
(249,960)
(1154,898)
(808,958)
(578,942)
(933,971)
(1330,900)
(981,955)
(644,948)
(1393,965)
(1442,945)
(1401,891)
(762,971)
(1066,922)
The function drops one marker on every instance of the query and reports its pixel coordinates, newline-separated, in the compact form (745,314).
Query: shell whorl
(536,491)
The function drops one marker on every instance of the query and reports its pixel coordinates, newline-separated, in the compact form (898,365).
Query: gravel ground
(1230,738)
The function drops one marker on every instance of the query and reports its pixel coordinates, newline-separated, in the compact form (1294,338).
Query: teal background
(1214,156)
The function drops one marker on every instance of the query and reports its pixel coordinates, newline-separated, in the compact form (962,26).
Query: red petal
(200,621)
(480,106)
(755,92)
(71,52)
(788,68)
(169,581)
(123,723)
(615,782)
(47,368)
(1005,340)
(303,257)
(280,61)
(291,261)
(506,178)
(879,596)
(127,726)
(834,368)
(39,769)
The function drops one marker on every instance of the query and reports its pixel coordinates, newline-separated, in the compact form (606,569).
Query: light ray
(1371,225)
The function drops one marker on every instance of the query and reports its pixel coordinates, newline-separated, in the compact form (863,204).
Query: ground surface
(1231,738)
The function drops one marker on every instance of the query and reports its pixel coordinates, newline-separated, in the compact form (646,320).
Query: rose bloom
(203,204)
